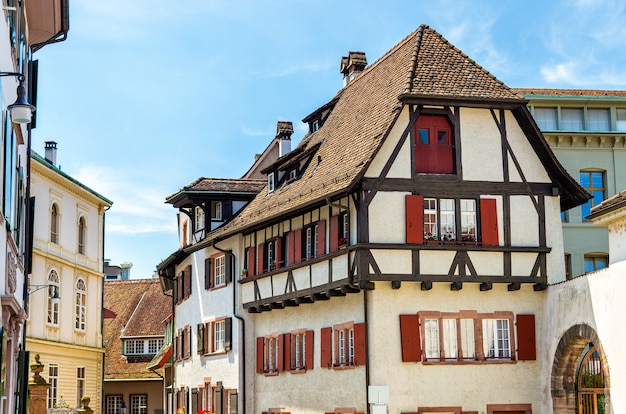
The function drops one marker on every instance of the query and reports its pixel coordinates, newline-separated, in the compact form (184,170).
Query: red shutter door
(410,338)
(334,234)
(489,221)
(297,256)
(291,248)
(321,238)
(287,351)
(434,152)
(526,349)
(414,219)
(251,261)
(360,353)
(326,352)
(260,342)
(279,252)
(308,350)
(260,258)
(281,352)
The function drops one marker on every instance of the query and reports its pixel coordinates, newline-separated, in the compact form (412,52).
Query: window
(568,266)
(80,385)
(593,182)
(466,336)
(54,224)
(53,380)
(199,218)
(298,350)
(114,404)
(271,351)
(138,404)
(215,336)
(595,262)
(343,345)
(53,295)
(313,240)
(433,148)
(572,119)
(546,118)
(598,119)
(293,174)
(81,235)
(216,210)
(315,125)
(270,183)
(81,305)
(143,346)
(183,284)
(219,270)
(154,345)
(183,343)
(440,219)
(621,119)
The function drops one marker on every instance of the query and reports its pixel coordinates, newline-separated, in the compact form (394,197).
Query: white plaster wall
(524,222)
(387,218)
(319,389)
(530,164)
(595,300)
(481,153)
(554,240)
(471,386)
(401,167)
(617,242)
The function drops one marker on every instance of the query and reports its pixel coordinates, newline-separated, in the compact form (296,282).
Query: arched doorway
(590,385)
(572,352)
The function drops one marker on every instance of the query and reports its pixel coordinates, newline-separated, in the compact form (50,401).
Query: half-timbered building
(397,259)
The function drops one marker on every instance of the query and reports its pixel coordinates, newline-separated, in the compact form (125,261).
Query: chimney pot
(284,129)
(352,65)
(51,152)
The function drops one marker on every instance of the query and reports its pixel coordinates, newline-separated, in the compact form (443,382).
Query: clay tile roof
(218,186)
(568,92)
(610,204)
(139,307)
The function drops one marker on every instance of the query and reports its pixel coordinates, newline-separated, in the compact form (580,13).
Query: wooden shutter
(187,341)
(414,219)
(334,234)
(251,261)
(410,338)
(286,339)
(200,338)
(297,254)
(489,222)
(326,350)
(228,266)
(308,350)
(279,251)
(207,274)
(360,352)
(526,349)
(188,281)
(228,334)
(281,352)
(321,238)
(260,343)
(227,210)
(260,258)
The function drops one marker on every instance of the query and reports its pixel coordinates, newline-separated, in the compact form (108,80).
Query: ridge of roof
(570,92)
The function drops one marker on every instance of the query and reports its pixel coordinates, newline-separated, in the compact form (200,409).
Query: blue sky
(145,96)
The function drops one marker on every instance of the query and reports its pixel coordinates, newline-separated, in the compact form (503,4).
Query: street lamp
(21,110)
(56,299)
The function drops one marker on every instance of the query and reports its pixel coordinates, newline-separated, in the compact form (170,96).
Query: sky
(146,96)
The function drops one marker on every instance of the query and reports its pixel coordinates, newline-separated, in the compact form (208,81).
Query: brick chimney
(284,129)
(51,152)
(352,65)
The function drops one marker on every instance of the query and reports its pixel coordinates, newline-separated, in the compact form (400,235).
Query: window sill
(218,287)
(208,354)
(298,370)
(343,366)
(471,362)
(271,373)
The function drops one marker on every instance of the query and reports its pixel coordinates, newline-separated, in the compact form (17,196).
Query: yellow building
(64,323)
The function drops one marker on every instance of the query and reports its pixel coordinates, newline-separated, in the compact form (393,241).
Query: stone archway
(566,359)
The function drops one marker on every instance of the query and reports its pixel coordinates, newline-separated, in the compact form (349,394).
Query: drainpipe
(367,350)
(242,354)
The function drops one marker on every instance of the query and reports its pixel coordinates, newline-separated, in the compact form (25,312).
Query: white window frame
(199,219)
(82,234)
(53,380)
(270,355)
(138,403)
(496,338)
(219,336)
(53,305)
(80,384)
(80,314)
(219,270)
(270,183)
(298,352)
(113,403)
(216,210)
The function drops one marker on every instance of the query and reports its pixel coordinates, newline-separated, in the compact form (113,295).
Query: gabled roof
(139,308)
(604,93)
(217,187)
(616,202)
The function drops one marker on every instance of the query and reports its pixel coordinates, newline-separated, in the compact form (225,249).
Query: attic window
(270,183)
(315,125)
(434,145)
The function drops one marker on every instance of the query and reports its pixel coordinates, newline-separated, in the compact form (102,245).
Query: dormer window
(270,183)
(199,218)
(216,210)
(434,145)
(292,174)
(315,125)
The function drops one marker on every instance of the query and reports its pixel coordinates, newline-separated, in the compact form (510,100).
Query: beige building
(64,323)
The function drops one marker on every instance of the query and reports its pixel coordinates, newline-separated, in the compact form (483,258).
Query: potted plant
(244,272)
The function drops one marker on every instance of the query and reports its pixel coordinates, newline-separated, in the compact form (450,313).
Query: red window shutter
(279,252)
(308,357)
(526,349)
(287,351)
(326,350)
(321,238)
(260,343)
(410,338)
(334,234)
(260,258)
(188,280)
(251,261)
(489,221)
(291,248)
(360,355)
(414,219)
(297,254)
(281,352)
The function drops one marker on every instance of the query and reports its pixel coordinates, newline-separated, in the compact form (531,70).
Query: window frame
(81,383)
(217,211)
(138,404)
(53,380)
(423,153)
(54,223)
(270,183)
(209,340)
(434,207)
(592,190)
(112,403)
(219,270)
(82,229)
(80,305)
(54,286)
(595,258)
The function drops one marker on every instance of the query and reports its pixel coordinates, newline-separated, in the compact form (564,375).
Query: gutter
(62,34)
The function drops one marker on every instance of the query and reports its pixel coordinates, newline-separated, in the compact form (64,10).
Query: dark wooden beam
(395,284)
(456,286)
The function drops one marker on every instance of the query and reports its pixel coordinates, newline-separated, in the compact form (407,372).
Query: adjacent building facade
(586,130)
(402,250)
(26,27)
(64,323)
